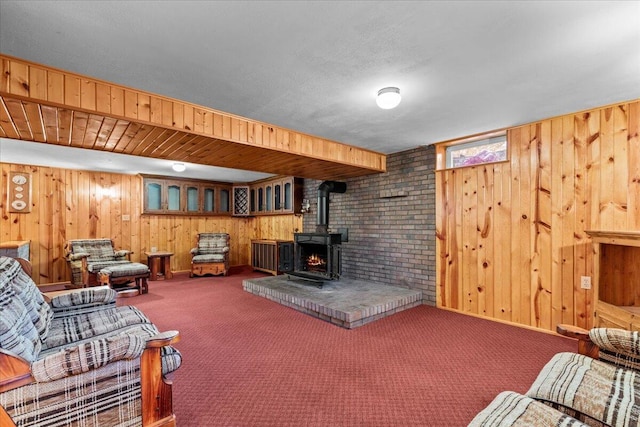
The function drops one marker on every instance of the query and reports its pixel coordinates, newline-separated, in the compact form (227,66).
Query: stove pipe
(322,223)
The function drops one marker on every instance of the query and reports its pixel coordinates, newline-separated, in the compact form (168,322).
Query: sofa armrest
(99,295)
(122,253)
(157,403)
(585,345)
(77,256)
(163,339)
(14,371)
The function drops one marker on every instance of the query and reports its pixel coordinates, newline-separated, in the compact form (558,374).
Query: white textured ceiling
(463,67)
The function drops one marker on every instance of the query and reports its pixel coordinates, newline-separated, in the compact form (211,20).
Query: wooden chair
(211,254)
(86,257)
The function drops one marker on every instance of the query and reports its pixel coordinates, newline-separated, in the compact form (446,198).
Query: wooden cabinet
(616,279)
(172,196)
(275,196)
(272,256)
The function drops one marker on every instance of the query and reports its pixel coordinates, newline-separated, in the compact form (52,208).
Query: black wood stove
(318,255)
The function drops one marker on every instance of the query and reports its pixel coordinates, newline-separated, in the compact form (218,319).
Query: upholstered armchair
(86,257)
(211,254)
(78,359)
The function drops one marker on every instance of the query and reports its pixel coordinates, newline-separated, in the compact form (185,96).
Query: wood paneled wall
(72,204)
(511,238)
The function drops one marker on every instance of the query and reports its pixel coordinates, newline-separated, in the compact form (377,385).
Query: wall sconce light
(306,206)
(179,167)
(388,98)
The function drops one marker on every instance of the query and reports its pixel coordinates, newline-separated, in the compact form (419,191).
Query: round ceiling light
(179,167)
(388,98)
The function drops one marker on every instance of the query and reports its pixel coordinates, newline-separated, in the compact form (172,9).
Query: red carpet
(251,362)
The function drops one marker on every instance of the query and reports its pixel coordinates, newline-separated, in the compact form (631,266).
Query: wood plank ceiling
(43,104)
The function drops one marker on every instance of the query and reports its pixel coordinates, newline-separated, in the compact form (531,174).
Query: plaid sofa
(86,257)
(78,359)
(578,388)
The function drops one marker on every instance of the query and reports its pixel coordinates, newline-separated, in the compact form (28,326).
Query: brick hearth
(347,302)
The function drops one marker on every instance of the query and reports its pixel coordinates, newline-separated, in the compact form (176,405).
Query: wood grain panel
(223,139)
(72,204)
(565,175)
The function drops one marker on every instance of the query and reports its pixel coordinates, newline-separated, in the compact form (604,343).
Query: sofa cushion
(512,409)
(199,259)
(591,387)
(98,249)
(26,317)
(213,243)
(617,346)
(127,269)
(72,330)
(97,265)
(87,356)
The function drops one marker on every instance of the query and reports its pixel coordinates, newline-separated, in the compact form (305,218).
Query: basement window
(488,149)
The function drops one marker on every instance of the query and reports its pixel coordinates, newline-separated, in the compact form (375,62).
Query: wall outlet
(585,282)
(126,217)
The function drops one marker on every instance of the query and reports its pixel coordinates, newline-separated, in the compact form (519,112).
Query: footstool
(125,273)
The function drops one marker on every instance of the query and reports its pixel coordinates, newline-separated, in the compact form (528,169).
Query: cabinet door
(154,197)
(193,198)
(253,203)
(268,198)
(261,205)
(277,196)
(174,198)
(287,195)
(225,200)
(208,199)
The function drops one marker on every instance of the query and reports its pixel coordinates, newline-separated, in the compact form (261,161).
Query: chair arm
(123,253)
(100,295)
(163,339)
(14,371)
(585,345)
(194,251)
(157,402)
(77,256)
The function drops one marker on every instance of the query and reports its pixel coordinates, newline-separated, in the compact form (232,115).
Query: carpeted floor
(249,361)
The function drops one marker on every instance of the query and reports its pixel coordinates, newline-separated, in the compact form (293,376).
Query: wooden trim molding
(47,105)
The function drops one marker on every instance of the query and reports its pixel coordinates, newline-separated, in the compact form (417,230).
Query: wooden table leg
(166,269)
(154,264)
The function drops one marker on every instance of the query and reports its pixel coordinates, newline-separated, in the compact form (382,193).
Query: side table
(159,264)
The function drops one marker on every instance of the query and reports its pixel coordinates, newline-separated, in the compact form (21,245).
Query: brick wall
(391,222)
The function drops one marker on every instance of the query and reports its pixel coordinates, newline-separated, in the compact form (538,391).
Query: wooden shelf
(616,279)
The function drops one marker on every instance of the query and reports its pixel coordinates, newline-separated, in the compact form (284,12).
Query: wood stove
(317,256)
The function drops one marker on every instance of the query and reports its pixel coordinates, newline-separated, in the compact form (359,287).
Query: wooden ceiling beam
(43,104)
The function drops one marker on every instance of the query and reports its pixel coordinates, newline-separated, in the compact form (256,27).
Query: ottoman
(123,274)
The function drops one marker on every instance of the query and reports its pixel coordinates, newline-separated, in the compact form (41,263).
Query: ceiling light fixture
(179,167)
(388,98)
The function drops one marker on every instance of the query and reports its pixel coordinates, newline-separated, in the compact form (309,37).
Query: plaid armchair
(86,257)
(211,254)
(78,359)
(599,388)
